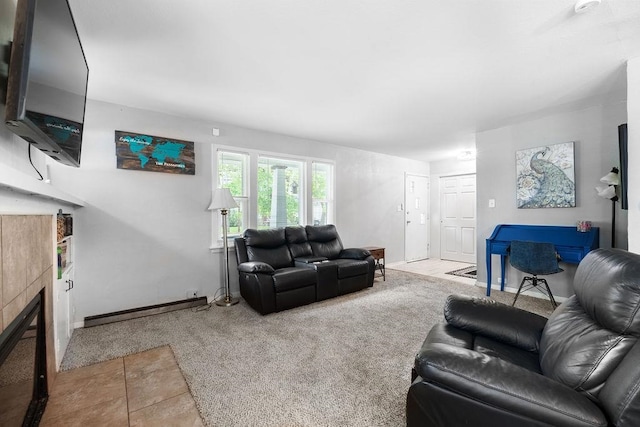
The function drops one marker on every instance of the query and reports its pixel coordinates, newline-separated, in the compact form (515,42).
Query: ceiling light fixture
(584,5)
(467,155)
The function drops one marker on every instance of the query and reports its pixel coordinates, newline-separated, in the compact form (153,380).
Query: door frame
(439,214)
(428,210)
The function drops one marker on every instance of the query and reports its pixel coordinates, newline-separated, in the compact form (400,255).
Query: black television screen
(47,82)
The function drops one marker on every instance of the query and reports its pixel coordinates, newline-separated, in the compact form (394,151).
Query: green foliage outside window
(232,174)
(265,194)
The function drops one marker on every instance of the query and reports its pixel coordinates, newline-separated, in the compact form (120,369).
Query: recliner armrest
(501,322)
(500,384)
(255,267)
(354,253)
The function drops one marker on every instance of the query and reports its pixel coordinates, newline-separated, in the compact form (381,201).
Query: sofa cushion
(579,353)
(587,337)
(286,279)
(324,240)
(351,267)
(607,288)
(268,246)
(297,241)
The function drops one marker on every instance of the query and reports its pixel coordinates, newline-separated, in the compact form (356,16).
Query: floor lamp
(612,179)
(222,200)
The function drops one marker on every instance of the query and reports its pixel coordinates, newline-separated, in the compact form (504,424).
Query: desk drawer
(571,256)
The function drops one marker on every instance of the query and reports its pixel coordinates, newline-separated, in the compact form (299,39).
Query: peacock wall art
(546,177)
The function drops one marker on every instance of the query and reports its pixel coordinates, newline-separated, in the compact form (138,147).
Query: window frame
(306,175)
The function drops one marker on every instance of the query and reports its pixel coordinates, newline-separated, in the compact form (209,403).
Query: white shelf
(23,183)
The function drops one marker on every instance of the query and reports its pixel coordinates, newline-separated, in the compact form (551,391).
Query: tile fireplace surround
(26,253)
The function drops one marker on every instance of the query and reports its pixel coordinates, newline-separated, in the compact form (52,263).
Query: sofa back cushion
(588,336)
(268,246)
(297,240)
(324,240)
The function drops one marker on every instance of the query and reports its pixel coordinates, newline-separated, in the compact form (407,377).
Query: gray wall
(595,133)
(144,238)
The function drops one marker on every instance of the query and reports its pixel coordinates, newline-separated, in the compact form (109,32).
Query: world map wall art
(546,177)
(154,153)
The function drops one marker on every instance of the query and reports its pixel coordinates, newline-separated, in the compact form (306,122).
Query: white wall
(595,132)
(633,112)
(143,238)
(441,169)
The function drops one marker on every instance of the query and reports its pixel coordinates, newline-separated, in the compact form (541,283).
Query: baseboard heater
(150,310)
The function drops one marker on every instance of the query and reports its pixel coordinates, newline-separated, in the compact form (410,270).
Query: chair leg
(535,282)
(550,294)
(524,279)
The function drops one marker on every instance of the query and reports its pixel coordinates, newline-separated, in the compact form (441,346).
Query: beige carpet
(344,361)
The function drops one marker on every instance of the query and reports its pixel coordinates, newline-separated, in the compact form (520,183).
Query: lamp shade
(608,192)
(612,178)
(222,199)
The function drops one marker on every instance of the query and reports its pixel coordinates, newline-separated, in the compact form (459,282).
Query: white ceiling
(413,78)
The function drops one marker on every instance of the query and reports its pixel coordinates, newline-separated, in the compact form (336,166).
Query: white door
(458,218)
(417,217)
(63,327)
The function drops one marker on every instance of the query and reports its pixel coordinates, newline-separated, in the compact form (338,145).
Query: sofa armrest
(501,322)
(255,267)
(509,388)
(354,253)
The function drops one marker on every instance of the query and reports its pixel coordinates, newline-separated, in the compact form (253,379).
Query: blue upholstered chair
(534,258)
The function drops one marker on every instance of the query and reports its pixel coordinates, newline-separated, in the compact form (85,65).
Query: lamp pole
(222,200)
(227,300)
(612,179)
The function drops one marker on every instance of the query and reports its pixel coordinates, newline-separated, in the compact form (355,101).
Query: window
(233,173)
(273,191)
(280,192)
(322,193)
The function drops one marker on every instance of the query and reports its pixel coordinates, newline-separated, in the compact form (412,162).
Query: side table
(377,253)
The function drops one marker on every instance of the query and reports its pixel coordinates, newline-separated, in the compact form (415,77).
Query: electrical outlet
(192,293)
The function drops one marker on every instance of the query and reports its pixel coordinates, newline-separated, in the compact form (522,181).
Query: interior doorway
(416,205)
(458,218)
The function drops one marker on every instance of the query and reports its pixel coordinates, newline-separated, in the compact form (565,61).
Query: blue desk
(570,244)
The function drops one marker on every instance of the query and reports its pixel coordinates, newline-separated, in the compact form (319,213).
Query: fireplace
(23,366)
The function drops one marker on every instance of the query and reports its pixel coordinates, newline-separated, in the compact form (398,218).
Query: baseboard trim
(150,310)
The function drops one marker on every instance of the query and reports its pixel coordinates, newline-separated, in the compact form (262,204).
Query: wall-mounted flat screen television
(47,82)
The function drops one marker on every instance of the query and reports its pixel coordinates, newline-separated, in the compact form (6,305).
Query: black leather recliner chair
(287,267)
(495,365)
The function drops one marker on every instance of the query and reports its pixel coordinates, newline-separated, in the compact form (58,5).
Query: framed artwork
(545,177)
(154,153)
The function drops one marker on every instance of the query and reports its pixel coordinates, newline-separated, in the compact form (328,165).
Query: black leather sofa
(491,364)
(288,267)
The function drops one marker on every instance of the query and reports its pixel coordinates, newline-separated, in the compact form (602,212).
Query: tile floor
(142,389)
(435,268)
